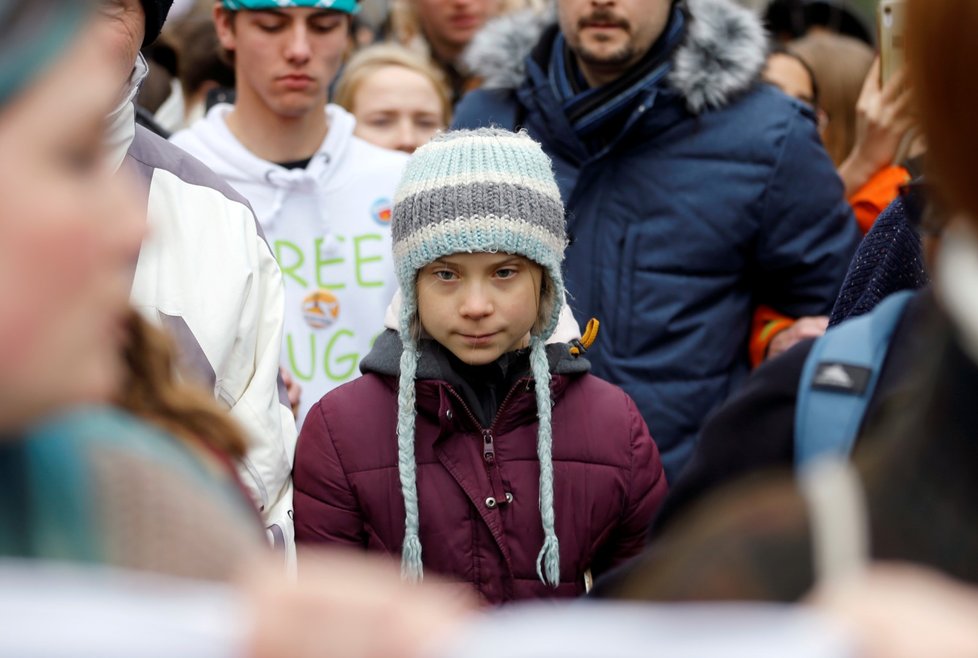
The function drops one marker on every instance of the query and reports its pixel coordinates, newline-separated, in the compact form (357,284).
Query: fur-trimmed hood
(723,54)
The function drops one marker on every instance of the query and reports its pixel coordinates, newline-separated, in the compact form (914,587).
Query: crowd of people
(352,328)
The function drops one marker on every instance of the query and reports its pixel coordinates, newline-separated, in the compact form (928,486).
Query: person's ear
(224,26)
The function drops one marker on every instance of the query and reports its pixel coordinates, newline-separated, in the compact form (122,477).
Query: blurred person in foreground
(696,196)
(910,495)
(398,98)
(205,273)
(83,484)
(323,195)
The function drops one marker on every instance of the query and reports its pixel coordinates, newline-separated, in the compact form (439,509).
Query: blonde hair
(941,55)
(373,58)
(406,27)
(839,65)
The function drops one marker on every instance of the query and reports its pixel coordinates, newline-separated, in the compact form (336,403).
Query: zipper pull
(488,448)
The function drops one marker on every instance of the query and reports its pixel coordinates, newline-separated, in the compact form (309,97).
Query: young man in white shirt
(322,196)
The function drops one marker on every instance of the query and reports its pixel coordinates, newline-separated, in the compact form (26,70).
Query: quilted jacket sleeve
(808,234)
(646,492)
(326,510)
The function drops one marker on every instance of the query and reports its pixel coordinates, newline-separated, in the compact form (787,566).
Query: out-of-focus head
(447,25)
(942,56)
(791,74)
(285,54)
(399,98)
(69,235)
(121,31)
(125,26)
(839,64)
(609,36)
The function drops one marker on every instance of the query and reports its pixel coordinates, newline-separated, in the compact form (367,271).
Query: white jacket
(206,275)
(329,227)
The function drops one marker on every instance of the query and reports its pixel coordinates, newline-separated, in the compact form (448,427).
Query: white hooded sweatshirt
(207,276)
(329,227)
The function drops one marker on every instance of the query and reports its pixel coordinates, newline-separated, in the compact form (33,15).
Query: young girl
(470,445)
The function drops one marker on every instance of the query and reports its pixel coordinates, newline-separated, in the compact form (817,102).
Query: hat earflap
(411,564)
(548,561)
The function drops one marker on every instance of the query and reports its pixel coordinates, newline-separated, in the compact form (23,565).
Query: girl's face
(397,108)
(479,306)
(69,238)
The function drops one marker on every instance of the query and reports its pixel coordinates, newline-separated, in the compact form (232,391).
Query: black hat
(156,11)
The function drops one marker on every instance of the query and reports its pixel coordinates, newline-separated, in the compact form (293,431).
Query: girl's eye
(271,27)
(506,273)
(445,275)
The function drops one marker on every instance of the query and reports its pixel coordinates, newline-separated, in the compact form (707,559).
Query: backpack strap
(839,378)
(838,517)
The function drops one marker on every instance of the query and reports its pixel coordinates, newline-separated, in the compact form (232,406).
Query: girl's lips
(479,339)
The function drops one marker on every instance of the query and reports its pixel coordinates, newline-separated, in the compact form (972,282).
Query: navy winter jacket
(716,197)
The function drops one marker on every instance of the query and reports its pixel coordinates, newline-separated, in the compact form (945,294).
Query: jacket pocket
(621,330)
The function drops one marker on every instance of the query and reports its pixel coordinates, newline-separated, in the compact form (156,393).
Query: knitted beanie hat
(480,191)
(346,6)
(156,11)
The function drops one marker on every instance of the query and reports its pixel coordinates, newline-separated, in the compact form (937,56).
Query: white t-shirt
(329,228)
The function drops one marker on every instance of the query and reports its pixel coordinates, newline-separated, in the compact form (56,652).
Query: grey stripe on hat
(500,199)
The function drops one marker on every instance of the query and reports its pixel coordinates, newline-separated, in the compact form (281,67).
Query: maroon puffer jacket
(608,481)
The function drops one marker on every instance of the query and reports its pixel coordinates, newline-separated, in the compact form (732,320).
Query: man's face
(121,27)
(612,35)
(449,25)
(284,59)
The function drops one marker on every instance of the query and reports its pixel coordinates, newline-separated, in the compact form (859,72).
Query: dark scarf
(482,387)
(598,115)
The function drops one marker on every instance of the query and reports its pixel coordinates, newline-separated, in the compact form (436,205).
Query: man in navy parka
(694,193)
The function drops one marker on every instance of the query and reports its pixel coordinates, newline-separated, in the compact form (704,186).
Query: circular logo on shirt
(320,309)
(382,211)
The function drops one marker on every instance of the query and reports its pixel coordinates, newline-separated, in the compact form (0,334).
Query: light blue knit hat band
(345,6)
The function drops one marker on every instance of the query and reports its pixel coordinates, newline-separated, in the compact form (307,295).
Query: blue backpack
(839,378)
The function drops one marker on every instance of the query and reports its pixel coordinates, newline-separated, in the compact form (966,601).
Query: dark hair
(200,58)
(941,51)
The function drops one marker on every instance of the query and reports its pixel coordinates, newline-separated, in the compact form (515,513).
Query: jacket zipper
(499,494)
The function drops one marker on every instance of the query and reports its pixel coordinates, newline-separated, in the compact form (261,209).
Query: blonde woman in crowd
(398,97)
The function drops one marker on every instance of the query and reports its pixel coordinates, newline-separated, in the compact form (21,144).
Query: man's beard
(624,55)
(620,57)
